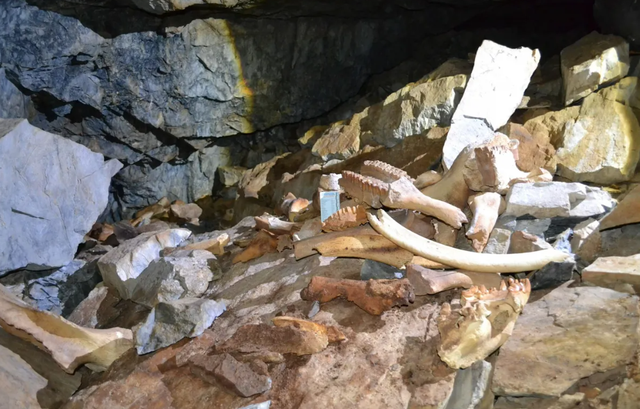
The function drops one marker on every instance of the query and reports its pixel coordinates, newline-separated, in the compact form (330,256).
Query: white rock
(121,267)
(172,278)
(592,61)
(556,199)
(19,383)
(499,78)
(470,386)
(53,190)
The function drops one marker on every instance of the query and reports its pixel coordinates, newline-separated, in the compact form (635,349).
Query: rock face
(612,272)
(569,334)
(169,322)
(121,267)
(499,78)
(19,383)
(593,60)
(584,155)
(58,190)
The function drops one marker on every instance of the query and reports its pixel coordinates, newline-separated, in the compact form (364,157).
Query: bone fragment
(332,333)
(371,247)
(479,262)
(483,324)
(452,188)
(215,245)
(383,171)
(263,243)
(275,225)
(428,178)
(400,194)
(373,296)
(70,345)
(345,218)
(486,209)
(426,281)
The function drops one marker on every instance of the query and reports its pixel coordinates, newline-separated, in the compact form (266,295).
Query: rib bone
(480,262)
(400,194)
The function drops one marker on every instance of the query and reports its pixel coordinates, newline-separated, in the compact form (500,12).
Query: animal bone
(159,209)
(296,209)
(215,245)
(480,262)
(483,324)
(444,234)
(373,296)
(263,243)
(400,194)
(383,171)
(486,208)
(70,345)
(452,188)
(493,167)
(427,281)
(428,178)
(345,218)
(373,247)
(310,228)
(332,333)
(275,225)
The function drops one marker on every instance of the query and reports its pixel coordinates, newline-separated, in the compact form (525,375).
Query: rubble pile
(454,247)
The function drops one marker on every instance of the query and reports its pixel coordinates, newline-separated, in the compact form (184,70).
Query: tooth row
(510,284)
(358,186)
(383,171)
(351,216)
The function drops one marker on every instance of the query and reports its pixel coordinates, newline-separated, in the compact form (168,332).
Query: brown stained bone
(296,209)
(452,188)
(275,225)
(279,339)
(263,243)
(284,242)
(102,231)
(486,208)
(70,345)
(483,324)
(159,209)
(427,178)
(373,296)
(493,167)
(372,247)
(346,218)
(307,247)
(215,245)
(333,333)
(426,281)
(383,171)
(400,194)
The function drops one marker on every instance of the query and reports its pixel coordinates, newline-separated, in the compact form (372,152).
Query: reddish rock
(225,369)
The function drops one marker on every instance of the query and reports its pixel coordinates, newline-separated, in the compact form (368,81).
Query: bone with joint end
(345,218)
(486,208)
(383,171)
(480,262)
(371,247)
(426,281)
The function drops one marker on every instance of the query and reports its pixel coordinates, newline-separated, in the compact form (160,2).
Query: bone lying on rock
(452,188)
(426,281)
(426,179)
(333,334)
(486,208)
(400,194)
(483,324)
(345,218)
(215,245)
(70,345)
(263,243)
(480,262)
(493,167)
(383,171)
(373,296)
(275,225)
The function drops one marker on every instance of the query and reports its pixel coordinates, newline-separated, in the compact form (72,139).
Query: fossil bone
(428,281)
(452,188)
(483,324)
(275,225)
(70,345)
(428,178)
(215,245)
(373,247)
(479,262)
(400,194)
(263,243)
(383,171)
(373,296)
(332,333)
(493,167)
(485,207)
(345,218)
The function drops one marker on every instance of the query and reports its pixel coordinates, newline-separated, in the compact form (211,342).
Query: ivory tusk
(480,262)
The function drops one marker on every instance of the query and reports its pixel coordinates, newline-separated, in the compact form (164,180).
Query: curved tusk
(485,263)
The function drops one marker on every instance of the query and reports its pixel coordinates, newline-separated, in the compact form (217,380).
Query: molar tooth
(503,285)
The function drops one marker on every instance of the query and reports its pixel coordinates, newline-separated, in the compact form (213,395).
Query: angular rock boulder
(53,191)
(499,78)
(121,267)
(593,60)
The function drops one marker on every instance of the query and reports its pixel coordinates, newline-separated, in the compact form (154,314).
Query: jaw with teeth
(483,323)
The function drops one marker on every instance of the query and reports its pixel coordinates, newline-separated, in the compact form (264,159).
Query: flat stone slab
(611,272)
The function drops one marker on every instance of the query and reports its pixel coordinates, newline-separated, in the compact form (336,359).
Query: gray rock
(19,383)
(498,243)
(57,191)
(14,103)
(499,78)
(552,275)
(470,386)
(374,270)
(58,291)
(557,199)
(172,278)
(121,267)
(169,322)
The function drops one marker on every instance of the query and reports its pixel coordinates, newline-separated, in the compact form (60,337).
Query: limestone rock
(121,267)
(19,383)
(611,272)
(584,155)
(171,278)
(629,394)
(556,199)
(541,357)
(58,190)
(231,175)
(470,386)
(86,314)
(235,375)
(626,212)
(58,291)
(340,141)
(186,212)
(523,242)
(551,125)
(499,78)
(498,241)
(533,151)
(592,61)
(171,321)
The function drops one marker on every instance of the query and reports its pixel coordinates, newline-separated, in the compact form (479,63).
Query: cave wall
(174,88)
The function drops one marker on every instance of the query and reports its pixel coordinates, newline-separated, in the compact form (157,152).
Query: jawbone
(483,323)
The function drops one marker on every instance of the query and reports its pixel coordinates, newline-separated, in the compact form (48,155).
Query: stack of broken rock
(506,279)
